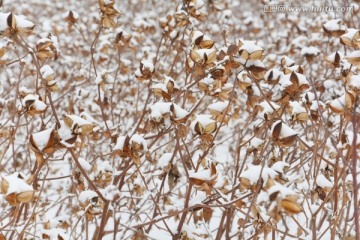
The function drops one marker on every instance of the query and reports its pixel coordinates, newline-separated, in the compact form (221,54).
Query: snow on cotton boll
(268,110)
(44,142)
(16,189)
(10,24)
(334,27)
(79,125)
(103,173)
(250,177)
(203,124)
(293,83)
(205,179)
(109,12)
(33,104)
(354,83)
(248,50)
(354,58)
(335,59)
(48,75)
(47,48)
(297,112)
(91,203)
(130,147)
(200,40)
(283,135)
(166,89)
(104,80)
(343,103)
(203,57)
(351,38)
(145,71)
(220,111)
(282,198)
(163,114)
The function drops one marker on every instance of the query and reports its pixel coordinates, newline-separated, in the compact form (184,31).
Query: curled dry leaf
(205,179)
(343,103)
(78,125)
(290,206)
(203,56)
(351,38)
(283,134)
(248,50)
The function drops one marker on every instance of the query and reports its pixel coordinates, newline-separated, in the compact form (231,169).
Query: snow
(104,77)
(297,108)
(41,139)
(16,184)
(204,52)
(283,191)
(350,33)
(198,198)
(110,192)
(339,103)
(253,173)
(308,142)
(74,14)
(331,57)
(274,73)
(65,132)
(138,139)
(249,46)
(120,143)
(256,142)
(168,80)
(282,39)
(23,23)
(147,65)
(87,195)
(285,80)
(47,72)
(38,105)
(195,35)
(20,22)
(208,81)
(219,106)
(333,25)
(84,164)
(164,160)
(355,82)
(3,22)
(103,166)
(353,54)
(160,86)
(310,51)
(203,119)
(287,62)
(160,108)
(78,120)
(202,175)
(254,63)
(323,182)
(88,117)
(286,131)
(55,233)
(268,107)
(279,166)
